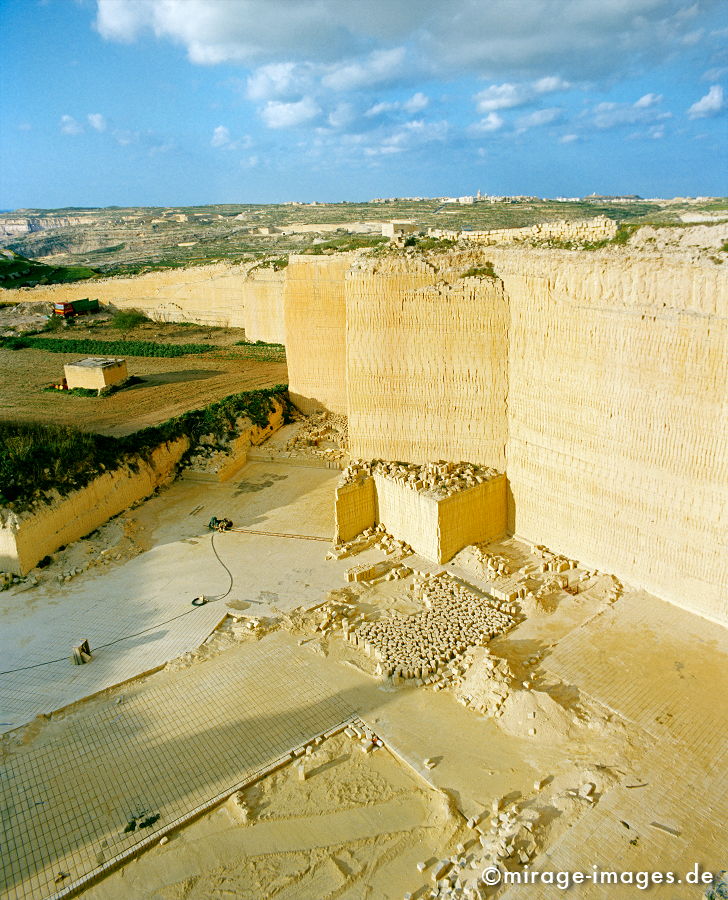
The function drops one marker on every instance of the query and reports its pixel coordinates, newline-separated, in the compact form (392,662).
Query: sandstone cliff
(597,380)
(426,363)
(222,294)
(315,325)
(25,225)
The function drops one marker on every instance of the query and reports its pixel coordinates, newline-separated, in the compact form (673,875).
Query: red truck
(75,308)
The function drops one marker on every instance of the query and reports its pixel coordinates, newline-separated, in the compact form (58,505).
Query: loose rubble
(438,479)
(378,537)
(321,434)
(331,616)
(481,682)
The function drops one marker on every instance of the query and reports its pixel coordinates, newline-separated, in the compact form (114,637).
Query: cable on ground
(127,637)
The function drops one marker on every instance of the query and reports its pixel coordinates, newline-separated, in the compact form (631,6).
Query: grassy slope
(37,459)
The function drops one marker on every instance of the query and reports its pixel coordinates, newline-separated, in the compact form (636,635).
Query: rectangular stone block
(438,529)
(95,373)
(355,509)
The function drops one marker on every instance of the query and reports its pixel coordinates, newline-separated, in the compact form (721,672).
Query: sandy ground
(355,828)
(592,733)
(169,387)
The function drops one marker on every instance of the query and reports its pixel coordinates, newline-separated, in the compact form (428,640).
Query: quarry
(396,570)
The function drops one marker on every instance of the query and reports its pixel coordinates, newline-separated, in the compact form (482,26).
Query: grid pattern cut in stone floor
(66,804)
(27,693)
(686,654)
(613,834)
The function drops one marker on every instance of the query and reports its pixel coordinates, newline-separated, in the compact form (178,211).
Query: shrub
(36,459)
(430,243)
(262,351)
(126,319)
(55,323)
(624,233)
(276,264)
(346,243)
(484,271)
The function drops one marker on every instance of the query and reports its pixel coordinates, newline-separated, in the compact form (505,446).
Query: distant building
(396,230)
(463,201)
(95,373)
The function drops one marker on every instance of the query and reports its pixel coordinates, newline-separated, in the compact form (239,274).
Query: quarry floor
(642,683)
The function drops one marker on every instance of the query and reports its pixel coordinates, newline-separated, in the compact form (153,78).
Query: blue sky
(181,102)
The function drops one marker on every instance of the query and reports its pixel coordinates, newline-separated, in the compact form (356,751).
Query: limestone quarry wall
(473,516)
(617,451)
(410,516)
(26,539)
(436,529)
(222,295)
(599,228)
(597,380)
(355,509)
(208,295)
(263,306)
(315,325)
(426,364)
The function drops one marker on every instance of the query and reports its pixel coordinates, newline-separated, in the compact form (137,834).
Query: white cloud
(693,37)
(568,138)
(654,133)
(220,136)
(409,136)
(709,105)
(613,115)
(509,95)
(341,115)
(69,125)
(380,108)
(538,118)
(379,67)
(288,115)
(498,38)
(501,96)
(276,80)
(122,21)
(492,122)
(416,103)
(647,101)
(715,74)
(238,31)
(549,84)
(97,121)
(222,139)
